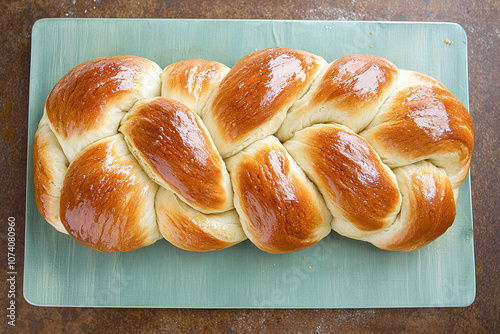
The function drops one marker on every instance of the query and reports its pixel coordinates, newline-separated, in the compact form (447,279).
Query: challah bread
(107,200)
(88,103)
(126,153)
(192,81)
(49,168)
(427,210)
(279,208)
(349,92)
(421,120)
(190,229)
(174,148)
(253,98)
(361,192)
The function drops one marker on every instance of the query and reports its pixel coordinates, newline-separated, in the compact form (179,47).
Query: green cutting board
(335,273)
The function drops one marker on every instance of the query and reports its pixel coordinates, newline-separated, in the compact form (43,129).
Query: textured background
(480,20)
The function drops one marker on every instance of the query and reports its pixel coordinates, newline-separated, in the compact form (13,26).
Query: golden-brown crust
(349,92)
(355,82)
(282,214)
(351,176)
(416,78)
(430,206)
(184,233)
(195,76)
(191,80)
(170,140)
(106,199)
(79,100)
(424,122)
(191,230)
(258,87)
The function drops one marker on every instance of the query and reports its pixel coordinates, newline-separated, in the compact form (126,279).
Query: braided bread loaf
(280,149)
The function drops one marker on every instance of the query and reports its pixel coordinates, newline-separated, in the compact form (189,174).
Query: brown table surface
(481,21)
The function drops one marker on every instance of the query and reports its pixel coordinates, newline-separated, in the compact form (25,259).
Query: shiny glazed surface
(282,213)
(352,177)
(355,81)
(184,232)
(170,139)
(80,99)
(430,211)
(258,87)
(193,76)
(481,316)
(104,198)
(421,121)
